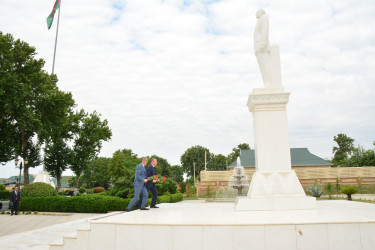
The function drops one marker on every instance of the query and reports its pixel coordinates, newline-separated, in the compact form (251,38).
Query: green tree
(163,168)
(116,166)
(57,157)
(343,151)
(236,152)
(58,127)
(122,164)
(24,86)
(92,131)
(177,173)
(97,173)
(218,162)
(361,157)
(194,155)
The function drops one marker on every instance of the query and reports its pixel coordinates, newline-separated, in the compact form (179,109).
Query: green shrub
(2,187)
(123,188)
(82,190)
(2,212)
(102,193)
(169,186)
(349,190)
(182,187)
(90,191)
(338,186)
(190,190)
(176,197)
(315,190)
(4,195)
(98,190)
(329,189)
(78,204)
(85,203)
(38,189)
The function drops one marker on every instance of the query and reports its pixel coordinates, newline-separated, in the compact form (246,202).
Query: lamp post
(19,164)
(194,171)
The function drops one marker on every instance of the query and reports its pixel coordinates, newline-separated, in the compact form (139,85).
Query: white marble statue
(268,57)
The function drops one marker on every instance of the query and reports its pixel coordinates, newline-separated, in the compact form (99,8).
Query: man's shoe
(127,210)
(11,214)
(136,207)
(154,207)
(144,208)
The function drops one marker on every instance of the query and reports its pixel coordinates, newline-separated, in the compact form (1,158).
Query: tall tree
(97,173)
(362,157)
(57,157)
(194,155)
(59,123)
(24,86)
(163,168)
(218,162)
(92,131)
(122,164)
(177,173)
(236,152)
(343,151)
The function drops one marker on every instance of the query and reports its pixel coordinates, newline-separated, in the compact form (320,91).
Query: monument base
(275,190)
(199,225)
(275,203)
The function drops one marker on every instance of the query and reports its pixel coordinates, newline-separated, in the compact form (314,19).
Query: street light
(194,171)
(21,163)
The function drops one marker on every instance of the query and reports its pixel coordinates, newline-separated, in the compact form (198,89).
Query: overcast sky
(168,75)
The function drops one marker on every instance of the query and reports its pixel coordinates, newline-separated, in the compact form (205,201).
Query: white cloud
(169,75)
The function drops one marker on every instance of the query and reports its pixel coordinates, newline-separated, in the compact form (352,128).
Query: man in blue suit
(15,199)
(139,187)
(150,186)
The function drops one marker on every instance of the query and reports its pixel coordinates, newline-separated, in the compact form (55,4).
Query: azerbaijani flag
(52,15)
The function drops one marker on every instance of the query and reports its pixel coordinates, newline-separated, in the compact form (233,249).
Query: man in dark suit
(15,199)
(139,187)
(150,185)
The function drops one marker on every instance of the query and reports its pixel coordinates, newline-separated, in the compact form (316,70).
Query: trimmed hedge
(4,195)
(85,203)
(38,189)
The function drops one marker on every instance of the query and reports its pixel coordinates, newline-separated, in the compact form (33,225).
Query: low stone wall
(307,176)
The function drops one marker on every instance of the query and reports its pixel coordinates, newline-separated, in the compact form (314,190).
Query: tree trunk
(25,175)
(349,197)
(23,154)
(58,180)
(77,183)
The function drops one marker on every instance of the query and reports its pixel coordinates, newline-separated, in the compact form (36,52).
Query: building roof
(299,157)
(63,184)
(15,178)
(31,180)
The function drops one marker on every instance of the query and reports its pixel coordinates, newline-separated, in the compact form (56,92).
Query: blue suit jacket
(140,175)
(150,172)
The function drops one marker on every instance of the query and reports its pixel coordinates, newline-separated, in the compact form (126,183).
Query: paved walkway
(37,231)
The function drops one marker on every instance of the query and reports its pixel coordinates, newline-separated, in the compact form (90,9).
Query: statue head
(260,13)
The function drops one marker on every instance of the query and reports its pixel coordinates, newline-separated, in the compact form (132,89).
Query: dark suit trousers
(154,192)
(15,207)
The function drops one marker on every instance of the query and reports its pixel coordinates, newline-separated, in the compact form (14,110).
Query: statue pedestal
(274,185)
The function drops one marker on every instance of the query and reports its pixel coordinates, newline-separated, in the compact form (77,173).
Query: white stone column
(274,185)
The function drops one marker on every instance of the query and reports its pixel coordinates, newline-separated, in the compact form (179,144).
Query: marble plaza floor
(36,232)
(218,213)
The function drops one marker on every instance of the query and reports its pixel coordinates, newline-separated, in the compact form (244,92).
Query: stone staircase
(81,239)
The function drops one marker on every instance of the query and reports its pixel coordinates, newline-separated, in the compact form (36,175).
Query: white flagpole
(205,161)
(57,31)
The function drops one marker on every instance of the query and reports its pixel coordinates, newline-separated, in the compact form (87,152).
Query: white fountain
(275,214)
(239,180)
